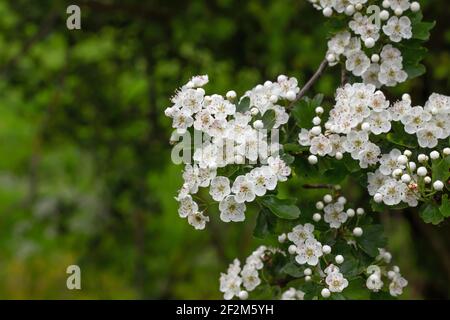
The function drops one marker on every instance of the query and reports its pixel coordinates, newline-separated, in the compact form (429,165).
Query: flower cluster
(231,283)
(400,179)
(231,137)
(315,263)
(375,29)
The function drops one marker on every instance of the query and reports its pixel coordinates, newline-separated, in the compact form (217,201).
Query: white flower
(304,137)
(371,75)
(389,162)
(338,43)
(355,142)
(293,294)
(399,4)
(393,192)
(428,136)
(220,188)
(378,102)
(335,215)
(230,282)
(309,252)
(231,210)
(337,143)
(375,181)
(187,207)
(203,120)
(336,282)
(301,233)
(438,104)
(357,63)
(263,179)
(391,74)
(181,121)
(320,145)
(391,55)
(397,285)
(399,109)
(198,220)
(244,189)
(415,119)
(279,168)
(397,29)
(250,278)
(369,155)
(380,122)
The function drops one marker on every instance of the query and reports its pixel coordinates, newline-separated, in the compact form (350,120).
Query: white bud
(258,124)
(438,185)
(325,293)
(384,15)
(378,197)
(350,213)
(407,153)
(316,217)
(369,42)
(360,211)
(307,272)
(292,249)
(365,126)
(397,173)
(243,295)
(427,180)
(357,232)
(327,198)
(358,6)
(327,12)
(308,278)
(339,155)
(406,178)
(316,121)
(434,155)
(447,151)
(342,200)
(406,97)
(386,4)
(415,6)
(402,159)
(319,205)
(375,58)
(231,95)
(273,98)
(422,171)
(290,95)
(254,111)
(396,269)
(282,238)
(238,159)
(319,110)
(316,130)
(412,166)
(312,159)
(326,249)
(331,57)
(339,259)
(350,10)
(327,125)
(398,12)
(391,275)
(422,158)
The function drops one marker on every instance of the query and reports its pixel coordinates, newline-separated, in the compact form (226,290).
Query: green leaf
(265,224)
(282,208)
(372,239)
(445,206)
(304,110)
(430,213)
(357,290)
(415,71)
(441,169)
(421,30)
(293,270)
(243,105)
(269,119)
(399,137)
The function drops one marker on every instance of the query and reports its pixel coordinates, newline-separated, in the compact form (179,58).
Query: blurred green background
(85,171)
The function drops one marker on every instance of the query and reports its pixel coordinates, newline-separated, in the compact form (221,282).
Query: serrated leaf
(415,71)
(421,30)
(372,239)
(399,137)
(292,269)
(441,169)
(430,213)
(282,208)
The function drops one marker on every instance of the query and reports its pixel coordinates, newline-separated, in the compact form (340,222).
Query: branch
(318,186)
(311,81)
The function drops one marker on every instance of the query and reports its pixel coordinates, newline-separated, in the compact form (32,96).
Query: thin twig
(311,81)
(343,76)
(318,186)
